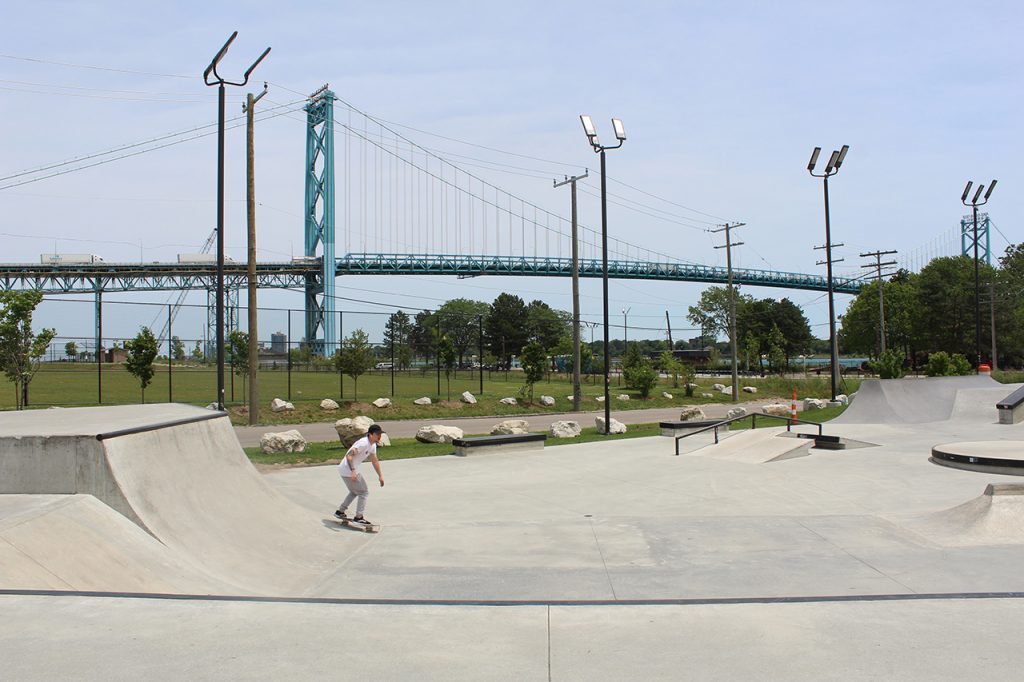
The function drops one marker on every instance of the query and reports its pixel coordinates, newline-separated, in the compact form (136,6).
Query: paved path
(249,436)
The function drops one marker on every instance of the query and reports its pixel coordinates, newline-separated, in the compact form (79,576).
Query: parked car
(383,365)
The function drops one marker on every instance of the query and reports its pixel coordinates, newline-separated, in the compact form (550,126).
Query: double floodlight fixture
(591,131)
(977,195)
(834,162)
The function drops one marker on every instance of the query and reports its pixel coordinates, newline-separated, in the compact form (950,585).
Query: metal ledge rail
(753,424)
(541,266)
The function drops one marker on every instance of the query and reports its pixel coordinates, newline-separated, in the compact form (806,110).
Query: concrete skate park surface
(611,560)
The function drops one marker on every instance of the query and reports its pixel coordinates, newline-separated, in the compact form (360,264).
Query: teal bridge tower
(967,237)
(319,223)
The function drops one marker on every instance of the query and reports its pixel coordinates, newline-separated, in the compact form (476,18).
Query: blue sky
(722,102)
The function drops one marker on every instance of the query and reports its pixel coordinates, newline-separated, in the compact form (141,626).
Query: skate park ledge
(1011,408)
(515,442)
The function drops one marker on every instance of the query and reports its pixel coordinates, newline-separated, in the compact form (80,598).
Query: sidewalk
(249,436)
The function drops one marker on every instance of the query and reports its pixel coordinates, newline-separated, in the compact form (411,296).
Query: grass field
(408,448)
(70,385)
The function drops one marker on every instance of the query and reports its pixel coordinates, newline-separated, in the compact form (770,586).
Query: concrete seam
(857,558)
(600,553)
(549,642)
(33,560)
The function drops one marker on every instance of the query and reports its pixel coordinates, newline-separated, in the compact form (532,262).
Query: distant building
(115,355)
(278,343)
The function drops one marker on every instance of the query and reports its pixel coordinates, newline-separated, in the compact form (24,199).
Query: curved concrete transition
(996,517)
(923,400)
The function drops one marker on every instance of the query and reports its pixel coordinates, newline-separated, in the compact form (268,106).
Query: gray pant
(356,489)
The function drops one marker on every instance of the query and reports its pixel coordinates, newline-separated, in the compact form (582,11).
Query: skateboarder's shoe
(361,520)
(340,515)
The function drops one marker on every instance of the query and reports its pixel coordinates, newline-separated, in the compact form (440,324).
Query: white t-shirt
(362,448)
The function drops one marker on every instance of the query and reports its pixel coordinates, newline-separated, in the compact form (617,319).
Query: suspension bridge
(404,210)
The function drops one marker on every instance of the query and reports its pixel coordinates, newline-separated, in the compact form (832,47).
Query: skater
(354,481)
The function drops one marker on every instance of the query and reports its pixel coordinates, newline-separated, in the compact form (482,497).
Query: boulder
(693,387)
(691,414)
(727,390)
(718,387)
(328,404)
(278,405)
(750,389)
(422,401)
(814,404)
(707,395)
(666,395)
(382,402)
(735,412)
(468,398)
(212,406)
(565,429)
(510,426)
(384,440)
(436,433)
(599,398)
(508,401)
(616,425)
(843,399)
(547,401)
(622,396)
(351,429)
(777,409)
(285,441)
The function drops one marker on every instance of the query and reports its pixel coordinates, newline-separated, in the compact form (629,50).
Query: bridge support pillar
(321,329)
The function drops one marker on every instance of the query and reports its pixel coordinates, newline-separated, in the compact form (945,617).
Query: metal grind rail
(753,424)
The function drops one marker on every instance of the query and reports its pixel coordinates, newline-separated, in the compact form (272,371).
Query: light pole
(620,135)
(831,169)
(220,82)
(974,203)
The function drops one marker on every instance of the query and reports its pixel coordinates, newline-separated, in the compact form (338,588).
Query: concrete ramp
(996,517)
(756,446)
(178,473)
(919,401)
(75,542)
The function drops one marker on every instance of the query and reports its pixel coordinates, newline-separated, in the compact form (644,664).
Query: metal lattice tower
(320,301)
(967,237)
(230,317)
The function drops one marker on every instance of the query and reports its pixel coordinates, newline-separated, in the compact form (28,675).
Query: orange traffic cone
(792,408)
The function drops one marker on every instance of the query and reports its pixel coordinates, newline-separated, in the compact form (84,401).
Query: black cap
(375,428)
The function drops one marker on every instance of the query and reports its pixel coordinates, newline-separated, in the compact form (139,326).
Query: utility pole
(732,303)
(878,264)
(250,180)
(577,395)
(668,326)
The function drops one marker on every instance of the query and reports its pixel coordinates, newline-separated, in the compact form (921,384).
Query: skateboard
(349,523)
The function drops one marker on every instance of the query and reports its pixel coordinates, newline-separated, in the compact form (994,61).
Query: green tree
(941,364)
(751,349)
(796,330)
(944,310)
(398,336)
(506,329)
(71,350)
(21,351)
(422,336)
(447,356)
(197,352)
(177,349)
(460,322)
(354,358)
(142,352)
(546,325)
(238,354)
(641,376)
(534,360)
(671,366)
(776,349)
(889,365)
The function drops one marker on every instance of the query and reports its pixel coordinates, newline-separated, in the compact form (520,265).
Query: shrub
(642,377)
(889,365)
(940,364)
